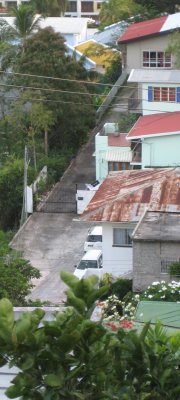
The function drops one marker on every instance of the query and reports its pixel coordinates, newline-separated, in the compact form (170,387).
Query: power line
(137,110)
(71,92)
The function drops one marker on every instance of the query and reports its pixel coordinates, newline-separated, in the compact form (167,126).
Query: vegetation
(11,191)
(117,10)
(16,274)
(174,269)
(74,357)
(50,8)
(174,48)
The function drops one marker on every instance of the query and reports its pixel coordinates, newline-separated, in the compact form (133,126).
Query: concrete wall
(161,151)
(153,107)
(116,260)
(101,145)
(147,258)
(135,49)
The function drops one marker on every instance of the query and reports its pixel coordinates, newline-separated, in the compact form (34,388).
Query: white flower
(162,297)
(141,315)
(164,288)
(150,296)
(155,283)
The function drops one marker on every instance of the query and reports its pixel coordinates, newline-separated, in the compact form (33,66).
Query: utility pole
(24,213)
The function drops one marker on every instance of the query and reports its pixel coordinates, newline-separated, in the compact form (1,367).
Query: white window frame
(155,61)
(127,233)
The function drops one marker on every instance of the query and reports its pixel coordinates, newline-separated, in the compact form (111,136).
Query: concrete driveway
(54,242)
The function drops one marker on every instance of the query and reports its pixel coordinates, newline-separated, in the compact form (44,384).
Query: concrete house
(119,204)
(156,138)
(144,44)
(158,91)
(112,151)
(101,54)
(74,30)
(156,245)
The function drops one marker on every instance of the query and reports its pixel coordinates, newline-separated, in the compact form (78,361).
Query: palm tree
(25,22)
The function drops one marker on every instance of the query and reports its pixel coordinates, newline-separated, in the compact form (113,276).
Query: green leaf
(12,392)
(28,363)
(6,320)
(53,380)
(69,279)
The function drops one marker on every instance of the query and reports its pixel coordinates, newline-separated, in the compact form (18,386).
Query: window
(72,6)
(163,94)
(118,166)
(122,237)
(156,59)
(87,6)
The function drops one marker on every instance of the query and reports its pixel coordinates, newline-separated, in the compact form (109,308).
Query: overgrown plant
(73,357)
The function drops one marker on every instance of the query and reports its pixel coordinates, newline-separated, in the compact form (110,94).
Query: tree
(117,10)
(16,274)
(67,98)
(25,22)
(159,7)
(11,191)
(174,48)
(74,357)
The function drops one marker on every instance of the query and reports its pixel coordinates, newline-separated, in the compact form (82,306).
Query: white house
(158,90)
(74,30)
(120,202)
(157,138)
(144,44)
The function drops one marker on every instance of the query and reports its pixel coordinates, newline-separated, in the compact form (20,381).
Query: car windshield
(87,264)
(94,238)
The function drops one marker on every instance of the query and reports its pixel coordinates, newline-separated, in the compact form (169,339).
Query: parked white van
(90,264)
(94,239)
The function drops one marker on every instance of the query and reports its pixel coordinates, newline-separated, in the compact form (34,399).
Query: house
(111,33)
(112,151)
(156,245)
(80,8)
(120,202)
(89,64)
(156,138)
(165,311)
(158,91)
(144,44)
(74,30)
(101,54)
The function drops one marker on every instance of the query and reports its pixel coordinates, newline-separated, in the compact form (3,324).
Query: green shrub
(56,165)
(174,269)
(119,288)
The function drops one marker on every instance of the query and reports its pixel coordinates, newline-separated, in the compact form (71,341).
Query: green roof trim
(168,313)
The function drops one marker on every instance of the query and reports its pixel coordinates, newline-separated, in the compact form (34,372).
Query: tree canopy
(62,94)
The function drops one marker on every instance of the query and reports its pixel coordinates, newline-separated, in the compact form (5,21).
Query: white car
(90,264)
(94,239)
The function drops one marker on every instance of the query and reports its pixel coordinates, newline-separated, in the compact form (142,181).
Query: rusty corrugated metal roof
(125,195)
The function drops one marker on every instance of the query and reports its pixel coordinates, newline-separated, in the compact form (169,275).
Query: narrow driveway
(54,242)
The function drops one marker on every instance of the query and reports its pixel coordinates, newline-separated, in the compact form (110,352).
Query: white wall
(116,260)
(154,107)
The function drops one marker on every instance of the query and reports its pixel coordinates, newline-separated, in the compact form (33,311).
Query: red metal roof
(156,124)
(142,29)
(125,195)
(118,141)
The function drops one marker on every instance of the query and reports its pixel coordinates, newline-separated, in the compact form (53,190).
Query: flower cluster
(162,291)
(115,309)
